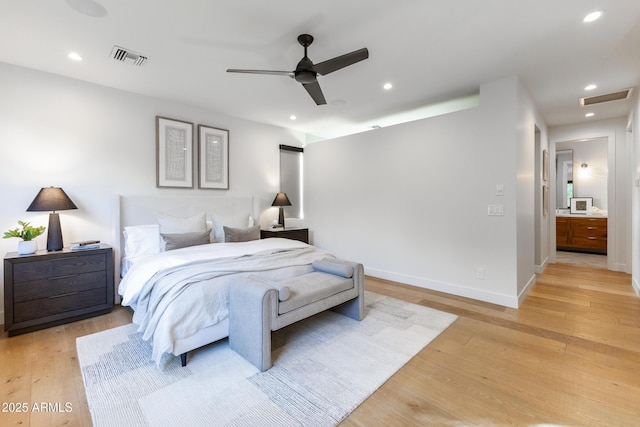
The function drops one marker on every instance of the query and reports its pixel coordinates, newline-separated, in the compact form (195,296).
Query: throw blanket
(177,301)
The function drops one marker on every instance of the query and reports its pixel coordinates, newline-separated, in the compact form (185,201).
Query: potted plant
(27,233)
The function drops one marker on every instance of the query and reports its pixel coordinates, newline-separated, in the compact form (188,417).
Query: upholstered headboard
(141,210)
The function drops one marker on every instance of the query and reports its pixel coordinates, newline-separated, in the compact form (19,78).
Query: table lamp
(280,201)
(52,199)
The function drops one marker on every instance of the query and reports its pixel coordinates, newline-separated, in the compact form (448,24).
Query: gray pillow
(182,240)
(241,234)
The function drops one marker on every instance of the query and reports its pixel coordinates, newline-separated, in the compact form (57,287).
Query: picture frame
(545,200)
(213,157)
(581,205)
(545,165)
(174,153)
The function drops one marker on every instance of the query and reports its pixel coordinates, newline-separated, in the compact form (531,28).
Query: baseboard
(539,269)
(449,288)
(527,288)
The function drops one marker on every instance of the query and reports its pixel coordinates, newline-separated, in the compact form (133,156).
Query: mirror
(564,178)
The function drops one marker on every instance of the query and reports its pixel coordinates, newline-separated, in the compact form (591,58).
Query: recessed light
(590,87)
(387,86)
(74,56)
(589,115)
(292,117)
(593,16)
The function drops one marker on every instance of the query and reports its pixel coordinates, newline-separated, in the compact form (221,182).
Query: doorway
(581,172)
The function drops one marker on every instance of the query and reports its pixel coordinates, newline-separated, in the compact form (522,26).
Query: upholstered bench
(257,307)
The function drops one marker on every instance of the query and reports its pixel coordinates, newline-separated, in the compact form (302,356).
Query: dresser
(301,234)
(581,234)
(51,288)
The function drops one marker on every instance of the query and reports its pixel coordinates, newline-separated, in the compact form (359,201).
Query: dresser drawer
(45,269)
(52,288)
(55,305)
(590,242)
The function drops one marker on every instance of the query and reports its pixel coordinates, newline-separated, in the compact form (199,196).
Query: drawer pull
(62,277)
(63,295)
(592,238)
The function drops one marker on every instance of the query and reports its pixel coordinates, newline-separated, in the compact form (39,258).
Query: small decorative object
(52,199)
(174,155)
(545,165)
(280,201)
(27,245)
(213,157)
(581,205)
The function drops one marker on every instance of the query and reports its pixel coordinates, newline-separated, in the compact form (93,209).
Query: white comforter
(177,293)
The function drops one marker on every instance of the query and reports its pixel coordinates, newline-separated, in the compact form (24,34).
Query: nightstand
(51,288)
(301,234)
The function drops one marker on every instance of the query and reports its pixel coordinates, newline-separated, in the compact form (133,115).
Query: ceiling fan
(306,71)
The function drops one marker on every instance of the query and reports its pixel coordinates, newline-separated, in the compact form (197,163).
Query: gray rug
(324,368)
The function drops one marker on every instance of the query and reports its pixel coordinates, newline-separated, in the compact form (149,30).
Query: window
(291,179)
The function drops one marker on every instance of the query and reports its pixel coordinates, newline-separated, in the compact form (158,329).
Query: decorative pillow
(183,240)
(141,240)
(241,234)
(327,266)
(234,221)
(170,224)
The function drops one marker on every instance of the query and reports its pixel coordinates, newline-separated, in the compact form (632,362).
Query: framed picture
(545,165)
(174,153)
(581,205)
(545,200)
(213,157)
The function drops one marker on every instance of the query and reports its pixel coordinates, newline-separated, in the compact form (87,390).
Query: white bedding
(176,293)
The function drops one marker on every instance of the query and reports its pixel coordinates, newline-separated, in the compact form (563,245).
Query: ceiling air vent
(125,55)
(613,96)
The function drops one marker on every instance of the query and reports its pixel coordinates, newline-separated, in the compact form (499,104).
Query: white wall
(633,136)
(96,142)
(618,183)
(410,201)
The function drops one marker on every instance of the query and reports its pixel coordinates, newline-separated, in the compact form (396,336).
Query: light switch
(495,210)
(499,189)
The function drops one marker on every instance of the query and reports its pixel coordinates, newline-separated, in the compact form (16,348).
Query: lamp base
(54,233)
(281,217)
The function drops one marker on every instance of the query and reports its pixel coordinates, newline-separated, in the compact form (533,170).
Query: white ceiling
(430,50)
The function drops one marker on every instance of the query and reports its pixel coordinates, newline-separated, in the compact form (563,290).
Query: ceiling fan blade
(276,73)
(341,61)
(316,93)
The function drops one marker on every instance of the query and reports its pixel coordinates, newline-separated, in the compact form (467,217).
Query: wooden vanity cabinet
(581,234)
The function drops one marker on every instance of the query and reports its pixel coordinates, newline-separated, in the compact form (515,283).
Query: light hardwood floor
(569,356)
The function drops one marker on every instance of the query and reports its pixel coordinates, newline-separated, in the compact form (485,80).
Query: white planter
(28,247)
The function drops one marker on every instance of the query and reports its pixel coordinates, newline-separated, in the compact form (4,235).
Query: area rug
(324,367)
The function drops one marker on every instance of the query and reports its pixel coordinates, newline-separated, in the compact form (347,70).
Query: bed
(180,295)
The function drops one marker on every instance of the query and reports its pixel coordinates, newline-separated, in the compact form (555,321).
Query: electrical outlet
(480,273)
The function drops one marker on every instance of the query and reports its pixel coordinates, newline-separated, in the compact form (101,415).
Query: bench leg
(353,308)
(183,359)
(249,321)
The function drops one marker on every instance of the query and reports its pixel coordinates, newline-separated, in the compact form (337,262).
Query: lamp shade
(51,199)
(281,200)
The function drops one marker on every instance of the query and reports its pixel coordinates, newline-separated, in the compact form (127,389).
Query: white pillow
(141,240)
(170,224)
(234,221)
